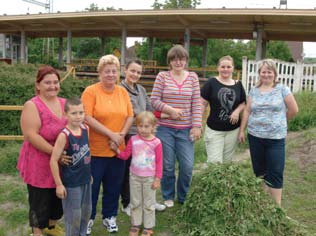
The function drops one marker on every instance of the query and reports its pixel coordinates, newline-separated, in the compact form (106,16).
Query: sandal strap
(134,229)
(148,232)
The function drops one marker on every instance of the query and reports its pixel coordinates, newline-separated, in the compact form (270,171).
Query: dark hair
(177,51)
(42,72)
(136,61)
(75,101)
(46,70)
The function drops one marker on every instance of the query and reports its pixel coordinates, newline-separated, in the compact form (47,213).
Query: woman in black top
(226,98)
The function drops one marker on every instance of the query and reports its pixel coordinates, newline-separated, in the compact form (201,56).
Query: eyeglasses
(176,59)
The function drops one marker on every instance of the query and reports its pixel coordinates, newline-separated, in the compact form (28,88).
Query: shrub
(228,200)
(306,117)
(17,86)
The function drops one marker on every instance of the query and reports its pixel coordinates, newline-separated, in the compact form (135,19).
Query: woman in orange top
(109,114)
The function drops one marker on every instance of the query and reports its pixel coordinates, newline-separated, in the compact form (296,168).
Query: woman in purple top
(41,121)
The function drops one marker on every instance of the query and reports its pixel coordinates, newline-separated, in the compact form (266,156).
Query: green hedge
(17,86)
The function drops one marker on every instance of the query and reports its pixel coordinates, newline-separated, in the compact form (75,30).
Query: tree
(176,4)
(278,50)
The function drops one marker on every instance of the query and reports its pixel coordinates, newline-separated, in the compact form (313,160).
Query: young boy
(73,182)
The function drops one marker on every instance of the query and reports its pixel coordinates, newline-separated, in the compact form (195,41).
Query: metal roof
(278,24)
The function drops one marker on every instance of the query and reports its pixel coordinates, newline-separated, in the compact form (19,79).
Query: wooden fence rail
(11,108)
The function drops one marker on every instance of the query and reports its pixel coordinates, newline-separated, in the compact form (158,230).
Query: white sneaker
(110,224)
(89,227)
(127,210)
(160,207)
(169,203)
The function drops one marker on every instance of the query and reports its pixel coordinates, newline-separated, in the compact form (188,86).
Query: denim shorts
(268,158)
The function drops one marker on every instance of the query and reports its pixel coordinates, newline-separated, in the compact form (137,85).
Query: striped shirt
(185,96)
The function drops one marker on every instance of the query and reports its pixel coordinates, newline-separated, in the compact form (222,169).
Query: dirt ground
(302,149)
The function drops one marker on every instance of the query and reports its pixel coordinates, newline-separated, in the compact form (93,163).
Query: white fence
(297,76)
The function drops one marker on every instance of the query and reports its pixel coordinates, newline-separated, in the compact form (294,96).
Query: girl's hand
(155,184)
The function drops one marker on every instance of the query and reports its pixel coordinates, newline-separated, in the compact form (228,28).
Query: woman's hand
(113,146)
(61,191)
(117,138)
(195,133)
(241,136)
(176,114)
(65,160)
(234,117)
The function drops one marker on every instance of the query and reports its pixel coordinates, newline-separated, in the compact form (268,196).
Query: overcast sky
(13,7)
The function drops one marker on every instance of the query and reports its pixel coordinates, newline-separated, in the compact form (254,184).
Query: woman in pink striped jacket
(177,93)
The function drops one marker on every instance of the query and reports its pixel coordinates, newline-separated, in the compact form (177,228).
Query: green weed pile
(228,200)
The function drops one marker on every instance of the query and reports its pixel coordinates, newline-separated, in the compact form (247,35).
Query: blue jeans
(176,146)
(77,209)
(268,157)
(109,172)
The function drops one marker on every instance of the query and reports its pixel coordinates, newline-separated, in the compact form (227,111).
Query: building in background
(296,49)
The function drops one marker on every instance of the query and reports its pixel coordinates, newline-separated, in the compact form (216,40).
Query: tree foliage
(176,4)
(90,47)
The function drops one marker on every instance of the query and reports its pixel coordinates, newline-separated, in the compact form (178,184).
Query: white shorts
(220,145)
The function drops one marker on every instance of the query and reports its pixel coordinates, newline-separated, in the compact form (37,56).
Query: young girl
(145,173)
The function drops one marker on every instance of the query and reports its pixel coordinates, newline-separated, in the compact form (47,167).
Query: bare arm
(234,117)
(244,121)
(291,105)
(127,125)
(204,105)
(30,125)
(56,155)
(103,130)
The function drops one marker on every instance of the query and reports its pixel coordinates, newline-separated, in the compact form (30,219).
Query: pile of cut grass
(228,200)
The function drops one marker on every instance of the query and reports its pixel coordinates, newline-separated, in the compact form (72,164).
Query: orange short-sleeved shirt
(109,108)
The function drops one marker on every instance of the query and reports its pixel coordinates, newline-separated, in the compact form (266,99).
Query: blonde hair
(271,66)
(146,115)
(226,58)
(108,60)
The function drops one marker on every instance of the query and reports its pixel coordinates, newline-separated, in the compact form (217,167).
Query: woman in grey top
(140,102)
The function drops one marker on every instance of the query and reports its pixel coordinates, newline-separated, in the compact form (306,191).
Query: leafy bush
(9,156)
(17,86)
(306,117)
(228,200)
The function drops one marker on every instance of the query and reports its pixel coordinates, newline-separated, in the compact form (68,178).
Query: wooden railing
(71,71)
(11,108)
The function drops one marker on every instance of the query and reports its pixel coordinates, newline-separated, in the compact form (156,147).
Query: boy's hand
(61,191)
(156,184)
